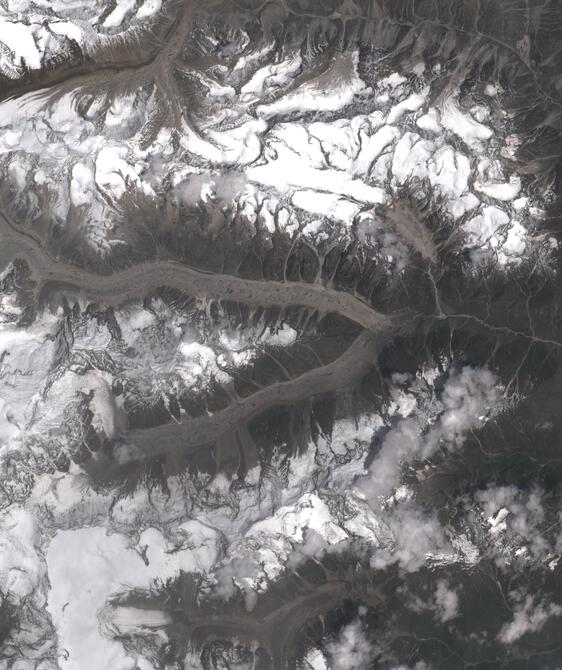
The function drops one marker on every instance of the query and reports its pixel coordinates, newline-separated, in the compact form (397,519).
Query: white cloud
(352,649)
(528,617)
(466,398)
(517,523)
(418,538)
(446,602)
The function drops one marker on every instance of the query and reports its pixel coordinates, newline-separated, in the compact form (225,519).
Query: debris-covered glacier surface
(280,335)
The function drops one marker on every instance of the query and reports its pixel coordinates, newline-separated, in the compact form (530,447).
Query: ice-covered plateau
(280,335)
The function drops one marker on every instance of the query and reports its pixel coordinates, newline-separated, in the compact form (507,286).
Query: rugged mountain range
(280,335)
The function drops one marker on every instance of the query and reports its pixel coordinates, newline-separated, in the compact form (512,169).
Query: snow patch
(87,566)
(474,134)
(18,37)
(332,91)
(81,185)
(122,8)
(326,204)
(149,8)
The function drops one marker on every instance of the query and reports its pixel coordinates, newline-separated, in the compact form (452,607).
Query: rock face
(280,335)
